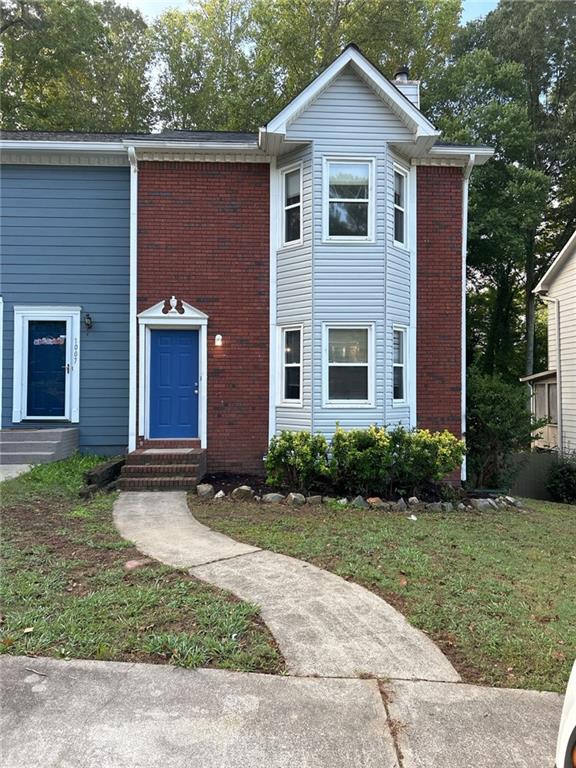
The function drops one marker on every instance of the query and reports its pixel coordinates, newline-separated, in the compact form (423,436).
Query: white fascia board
(565,253)
(481,154)
(401,105)
(197,146)
(64,146)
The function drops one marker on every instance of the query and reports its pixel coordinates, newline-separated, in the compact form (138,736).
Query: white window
(292,231)
(546,401)
(349,200)
(291,365)
(46,363)
(399,366)
(400,178)
(348,364)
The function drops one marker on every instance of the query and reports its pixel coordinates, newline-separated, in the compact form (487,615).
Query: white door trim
(71,316)
(189,319)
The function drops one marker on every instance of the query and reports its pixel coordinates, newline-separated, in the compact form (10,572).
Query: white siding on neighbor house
(350,279)
(294,296)
(563,288)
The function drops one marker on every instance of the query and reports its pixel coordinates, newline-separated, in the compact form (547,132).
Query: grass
(495,591)
(65,591)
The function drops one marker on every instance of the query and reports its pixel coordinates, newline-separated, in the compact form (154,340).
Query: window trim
(348,325)
(283,365)
(546,385)
(398,169)
(359,239)
(283,207)
(403,329)
(22,316)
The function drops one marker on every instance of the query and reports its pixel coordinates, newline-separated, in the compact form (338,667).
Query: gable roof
(554,268)
(423,130)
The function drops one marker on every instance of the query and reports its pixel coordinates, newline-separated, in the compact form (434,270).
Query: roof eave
(570,247)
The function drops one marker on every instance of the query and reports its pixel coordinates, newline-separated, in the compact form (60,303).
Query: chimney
(410,88)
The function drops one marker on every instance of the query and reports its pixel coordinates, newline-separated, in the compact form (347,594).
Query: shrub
(297,459)
(499,424)
(561,484)
(384,461)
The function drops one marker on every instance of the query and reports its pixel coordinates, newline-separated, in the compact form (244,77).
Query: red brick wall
(203,236)
(439,345)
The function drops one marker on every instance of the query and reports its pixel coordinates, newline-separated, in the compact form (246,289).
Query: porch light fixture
(88,322)
(218,340)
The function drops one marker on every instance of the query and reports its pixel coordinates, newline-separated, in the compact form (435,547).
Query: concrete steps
(163,469)
(37,446)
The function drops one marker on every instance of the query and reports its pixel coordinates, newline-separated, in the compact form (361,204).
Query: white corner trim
(412,340)
(133,325)
(401,105)
(275,225)
(191,319)
(351,404)
(71,316)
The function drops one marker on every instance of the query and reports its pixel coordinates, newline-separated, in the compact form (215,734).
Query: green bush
(561,482)
(385,461)
(297,460)
(374,460)
(499,423)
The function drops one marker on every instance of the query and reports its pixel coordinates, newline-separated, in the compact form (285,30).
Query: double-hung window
(292,232)
(292,365)
(399,365)
(348,364)
(400,237)
(349,199)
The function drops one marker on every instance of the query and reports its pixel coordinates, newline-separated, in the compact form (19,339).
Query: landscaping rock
(243,493)
(447,506)
(413,500)
(220,495)
(484,505)
(360,502)
(314,501)
(272,498)
(131,565)
(376,503)
(412,517)
(343,501)
(400,506)
(513,502)
(461,507)
(205,491)
(296,499)
(435,506)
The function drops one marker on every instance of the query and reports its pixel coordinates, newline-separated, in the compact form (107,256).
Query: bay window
(349,199)
(291,340)
(348,367)
(292,206)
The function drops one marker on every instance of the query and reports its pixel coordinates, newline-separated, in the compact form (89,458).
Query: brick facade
(439,306)
(203,236)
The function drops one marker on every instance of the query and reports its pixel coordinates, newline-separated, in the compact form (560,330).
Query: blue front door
(46,395)
(174,384)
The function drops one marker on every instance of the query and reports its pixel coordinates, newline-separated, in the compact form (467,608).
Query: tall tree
(75,65)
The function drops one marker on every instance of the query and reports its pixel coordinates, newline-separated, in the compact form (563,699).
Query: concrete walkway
(9,471)
(323,624)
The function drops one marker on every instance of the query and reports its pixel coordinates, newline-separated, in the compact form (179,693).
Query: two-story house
(207,290)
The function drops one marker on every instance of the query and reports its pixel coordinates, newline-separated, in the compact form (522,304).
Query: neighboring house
(240,284)
(554,390)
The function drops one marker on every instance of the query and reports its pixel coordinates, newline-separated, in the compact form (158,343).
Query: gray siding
(563,288)
(65,241)
(294,295)
(350,279)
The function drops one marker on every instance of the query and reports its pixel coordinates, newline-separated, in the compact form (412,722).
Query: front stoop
(37,446)
(163,469)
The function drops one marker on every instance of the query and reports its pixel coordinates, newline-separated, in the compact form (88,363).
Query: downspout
(133,325)
(465,184)
(556,303)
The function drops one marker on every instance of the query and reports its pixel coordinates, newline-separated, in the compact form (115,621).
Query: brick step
(164,456)
(160,470)
(194,443)
(158,483)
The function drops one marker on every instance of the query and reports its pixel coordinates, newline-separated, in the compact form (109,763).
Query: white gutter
(556,303)
(133,325)
(465,184)
(65,146)
(199,146)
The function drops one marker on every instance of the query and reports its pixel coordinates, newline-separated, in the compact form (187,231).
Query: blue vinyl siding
(65,241)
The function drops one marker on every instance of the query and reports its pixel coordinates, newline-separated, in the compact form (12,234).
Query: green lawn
(65,591)
(495,591)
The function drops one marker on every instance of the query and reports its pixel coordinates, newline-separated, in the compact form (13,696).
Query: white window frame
(326,236)
(283,207)
(22,316)
(283,365)
(403,329)
(400,170)
(349,325)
